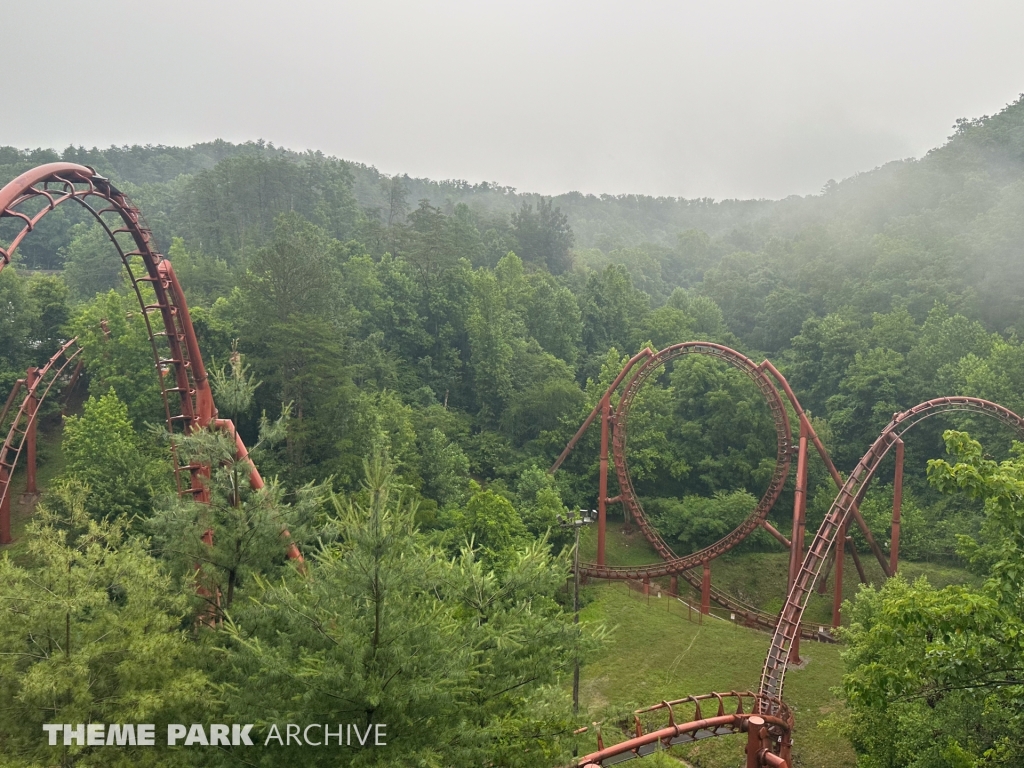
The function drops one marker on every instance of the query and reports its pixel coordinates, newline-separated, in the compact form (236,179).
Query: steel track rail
(774,672)
(184,385)
(649,737)
(25,418)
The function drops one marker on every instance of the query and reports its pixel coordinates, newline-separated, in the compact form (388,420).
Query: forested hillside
(419,352)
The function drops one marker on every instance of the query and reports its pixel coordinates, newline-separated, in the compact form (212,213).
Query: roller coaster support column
(897,505)
(822,586)
(796,551)
(705,589)
(754,726)
(5,506)
(602,490)
(856,560)
(837,584)
(31,379)
(805,423)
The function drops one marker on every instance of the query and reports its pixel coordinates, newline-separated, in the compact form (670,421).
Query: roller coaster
(770,734)
(188,404)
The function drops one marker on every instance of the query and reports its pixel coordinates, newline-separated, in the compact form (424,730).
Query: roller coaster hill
(760,715)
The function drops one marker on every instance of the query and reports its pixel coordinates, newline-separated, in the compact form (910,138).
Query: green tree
(18,314)
(612,310)
(934,677)
(118,355)
(241,531)
(444,468)
(103,452)
(695,522)
(823,350)
(50,296)
(287,317)
(543,236)
(91,632)
(91,263)
(203,278)
(540,504)
(553,317)
(492,344)
(448,656)
(493,525)
(873,389)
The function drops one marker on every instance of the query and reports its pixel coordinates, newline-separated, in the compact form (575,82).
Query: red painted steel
(602,486)
(778,536)
(650,363)
(773,674)
(645,364)
(897,506)
(673,563)
(796,551)
(754,725)
(777,727)
(31,381)
(805,423)
(837,588)
(185,388)
(705,589)
(24,424)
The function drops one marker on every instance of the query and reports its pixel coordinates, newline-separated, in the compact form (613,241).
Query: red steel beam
(833,472)
(56,183)
(897,506)
(602,481)
(775,532)
(774,671)
(31,381)
(645,353)
(837,584)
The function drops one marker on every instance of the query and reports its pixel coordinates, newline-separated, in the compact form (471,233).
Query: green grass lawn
(620,547)
(652,654)
(759,578)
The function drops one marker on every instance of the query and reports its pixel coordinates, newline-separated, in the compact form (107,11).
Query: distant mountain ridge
(989,149)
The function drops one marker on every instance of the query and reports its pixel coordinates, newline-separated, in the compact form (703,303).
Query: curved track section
(773,675)
(186,393)
(14,442)
(672,563)
(723,722)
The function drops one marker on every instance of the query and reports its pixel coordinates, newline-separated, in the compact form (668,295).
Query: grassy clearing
(621,547)
(652,655)
(759,578)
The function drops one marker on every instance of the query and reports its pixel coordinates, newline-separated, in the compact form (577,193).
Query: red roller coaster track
(805,569)
(21,434)
(188,405)
(672,562)
(773,675)
(185,389)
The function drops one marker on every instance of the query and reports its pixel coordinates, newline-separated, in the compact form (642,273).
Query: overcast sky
(723,98)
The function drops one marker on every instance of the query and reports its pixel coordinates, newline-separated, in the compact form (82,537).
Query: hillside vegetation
(406,358)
